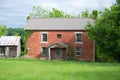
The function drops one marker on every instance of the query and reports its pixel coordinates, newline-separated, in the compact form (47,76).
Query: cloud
(13,13)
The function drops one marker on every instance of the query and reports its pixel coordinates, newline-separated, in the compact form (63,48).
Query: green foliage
(3,30)
(94,14)
(15,31)
(25,37)
(28,69)
(40,12)
(71,53)
(106,33)
(85,14)
(57,13)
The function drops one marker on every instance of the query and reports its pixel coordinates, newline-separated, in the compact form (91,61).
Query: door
(12,51)
(2,51)
(58,54)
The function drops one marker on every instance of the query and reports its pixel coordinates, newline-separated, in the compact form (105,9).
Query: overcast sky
(13,12)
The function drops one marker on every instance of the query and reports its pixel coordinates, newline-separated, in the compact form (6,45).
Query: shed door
(2,51)
(12,51)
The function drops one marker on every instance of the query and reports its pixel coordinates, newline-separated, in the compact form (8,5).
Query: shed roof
(57,23)
(9,40)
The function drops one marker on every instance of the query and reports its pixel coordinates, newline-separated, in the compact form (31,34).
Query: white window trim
(79,51)
(76,37)
(79,32)
(42,37)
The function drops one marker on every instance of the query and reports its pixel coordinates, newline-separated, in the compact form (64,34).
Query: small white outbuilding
(10,46)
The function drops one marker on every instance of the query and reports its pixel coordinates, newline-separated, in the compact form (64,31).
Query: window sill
(78,42)
(78,55)
(43,42)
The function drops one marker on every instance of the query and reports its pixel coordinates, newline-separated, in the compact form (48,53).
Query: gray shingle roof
(57,23)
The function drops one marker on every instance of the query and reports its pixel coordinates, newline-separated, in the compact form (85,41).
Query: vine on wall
(25,36)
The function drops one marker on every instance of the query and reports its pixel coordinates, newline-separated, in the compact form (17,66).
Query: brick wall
(35,44)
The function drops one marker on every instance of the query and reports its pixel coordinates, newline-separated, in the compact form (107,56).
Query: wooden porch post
(6,51)
(66,53)
(49,55)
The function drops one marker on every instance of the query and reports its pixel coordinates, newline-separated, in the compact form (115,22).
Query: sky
(13,13)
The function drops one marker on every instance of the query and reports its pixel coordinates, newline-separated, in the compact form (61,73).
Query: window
(78,37)
(59,36)
(78,51)
(44,51)
(44,37)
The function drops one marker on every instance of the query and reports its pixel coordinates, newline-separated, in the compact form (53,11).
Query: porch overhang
(58,45)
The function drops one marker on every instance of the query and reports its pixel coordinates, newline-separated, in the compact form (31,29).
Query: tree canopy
(106,33)
(15,31)
(40,12)
(3,31)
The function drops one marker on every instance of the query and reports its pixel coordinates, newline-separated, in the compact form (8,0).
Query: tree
(15,31)
(58,13)
(94,14)
(85,14)
(40,12)
(106,33)
(2,30)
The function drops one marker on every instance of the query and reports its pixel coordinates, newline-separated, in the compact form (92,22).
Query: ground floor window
(44,51)
(78,51)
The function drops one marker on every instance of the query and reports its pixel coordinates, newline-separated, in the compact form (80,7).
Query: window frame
(59,36)
(78,42)
(78,51)
(44,51)
(42,40)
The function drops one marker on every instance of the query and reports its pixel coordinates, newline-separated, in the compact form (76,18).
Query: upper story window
(78,37)
(78,51)
(44,37)
(59,36)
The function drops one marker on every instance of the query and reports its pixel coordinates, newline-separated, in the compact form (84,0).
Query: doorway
(12,51)
(58,53)
(2,51)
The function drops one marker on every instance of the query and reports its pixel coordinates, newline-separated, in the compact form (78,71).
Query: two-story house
(54,37)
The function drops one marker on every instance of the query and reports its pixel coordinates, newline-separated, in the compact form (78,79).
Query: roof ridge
(60,18)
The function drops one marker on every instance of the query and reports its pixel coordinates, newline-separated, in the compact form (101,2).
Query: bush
(71,53)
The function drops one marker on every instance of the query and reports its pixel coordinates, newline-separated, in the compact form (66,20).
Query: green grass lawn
(26,69)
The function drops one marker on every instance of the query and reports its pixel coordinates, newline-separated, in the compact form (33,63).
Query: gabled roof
(57,23)
(9,40)
(58,44)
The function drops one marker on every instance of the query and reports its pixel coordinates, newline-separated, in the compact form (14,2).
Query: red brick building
(56,38)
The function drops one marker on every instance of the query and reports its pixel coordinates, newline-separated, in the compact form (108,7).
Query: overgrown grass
(27,69)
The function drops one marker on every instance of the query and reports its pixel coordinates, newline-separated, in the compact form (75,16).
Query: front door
(12,51)
(58,54)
